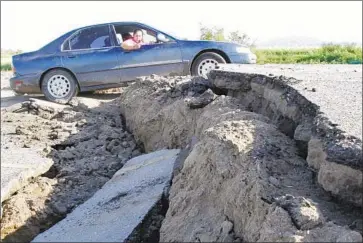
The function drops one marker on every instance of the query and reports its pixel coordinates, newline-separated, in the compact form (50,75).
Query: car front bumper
(243,58)
(25,84)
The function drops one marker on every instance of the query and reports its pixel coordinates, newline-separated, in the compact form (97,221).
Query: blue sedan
(91,58)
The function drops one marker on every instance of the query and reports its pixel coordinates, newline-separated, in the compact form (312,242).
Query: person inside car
(126,36)
(135,42)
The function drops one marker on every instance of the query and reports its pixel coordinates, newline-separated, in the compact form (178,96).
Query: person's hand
(137,46)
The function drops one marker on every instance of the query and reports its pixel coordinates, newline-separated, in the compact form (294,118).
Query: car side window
(93,37)
(66,46)
(124,32)
(149,36)
(102,41)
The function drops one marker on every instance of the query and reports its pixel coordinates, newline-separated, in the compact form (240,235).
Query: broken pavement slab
(46,105)
(18,166)
(121,205)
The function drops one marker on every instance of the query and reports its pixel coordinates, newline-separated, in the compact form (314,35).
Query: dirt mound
(243,179)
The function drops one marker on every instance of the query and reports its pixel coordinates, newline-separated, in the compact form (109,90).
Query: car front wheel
(59,86)
(205,63)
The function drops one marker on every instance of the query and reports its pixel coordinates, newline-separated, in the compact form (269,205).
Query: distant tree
(10,51)
(206,33)
(217,34)
(214,33)
(241,38)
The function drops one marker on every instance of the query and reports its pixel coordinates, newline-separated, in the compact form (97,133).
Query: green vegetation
(214,33)
(327,54)
(5,67)
(5,62)
(6,55)
(217,34)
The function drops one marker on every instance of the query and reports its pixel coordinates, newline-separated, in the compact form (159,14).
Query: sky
(30,25)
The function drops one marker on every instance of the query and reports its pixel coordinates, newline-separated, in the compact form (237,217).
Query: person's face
(138,36)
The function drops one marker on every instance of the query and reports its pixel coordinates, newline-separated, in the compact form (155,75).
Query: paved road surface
(338,89)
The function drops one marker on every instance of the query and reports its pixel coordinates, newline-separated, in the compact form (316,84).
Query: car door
(92,56)
(161,59)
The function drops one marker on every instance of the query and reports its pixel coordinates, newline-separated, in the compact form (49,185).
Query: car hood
(208,42)
(228,47)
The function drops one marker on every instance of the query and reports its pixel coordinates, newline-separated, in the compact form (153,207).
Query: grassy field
(329,54)
(5,62)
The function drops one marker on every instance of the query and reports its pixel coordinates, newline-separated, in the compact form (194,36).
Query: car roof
(55,44)
(114,23)
(124,23)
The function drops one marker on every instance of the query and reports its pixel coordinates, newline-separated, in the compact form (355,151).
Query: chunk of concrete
(18,166)
(341,180)
(113,212)
(303,212)
(201,101)
(46,105)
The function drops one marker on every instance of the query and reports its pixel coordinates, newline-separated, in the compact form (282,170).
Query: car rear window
(93,37)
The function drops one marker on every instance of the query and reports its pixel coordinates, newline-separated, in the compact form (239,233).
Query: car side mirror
(162,38)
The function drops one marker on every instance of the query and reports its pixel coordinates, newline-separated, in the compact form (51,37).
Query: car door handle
(71,56)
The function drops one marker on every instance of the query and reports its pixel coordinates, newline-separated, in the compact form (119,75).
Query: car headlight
(242,49)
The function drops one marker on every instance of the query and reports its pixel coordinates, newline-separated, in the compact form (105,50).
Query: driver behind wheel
(135,42)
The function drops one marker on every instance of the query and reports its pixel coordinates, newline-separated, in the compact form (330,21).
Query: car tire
(59,86)
(205,62)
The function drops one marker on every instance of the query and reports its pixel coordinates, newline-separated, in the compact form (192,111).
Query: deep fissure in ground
(182,108)
(73,149)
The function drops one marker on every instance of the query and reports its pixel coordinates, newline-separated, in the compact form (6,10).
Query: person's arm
(130,45)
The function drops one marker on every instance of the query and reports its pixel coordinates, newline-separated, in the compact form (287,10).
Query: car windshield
(170,33)
(175,35)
